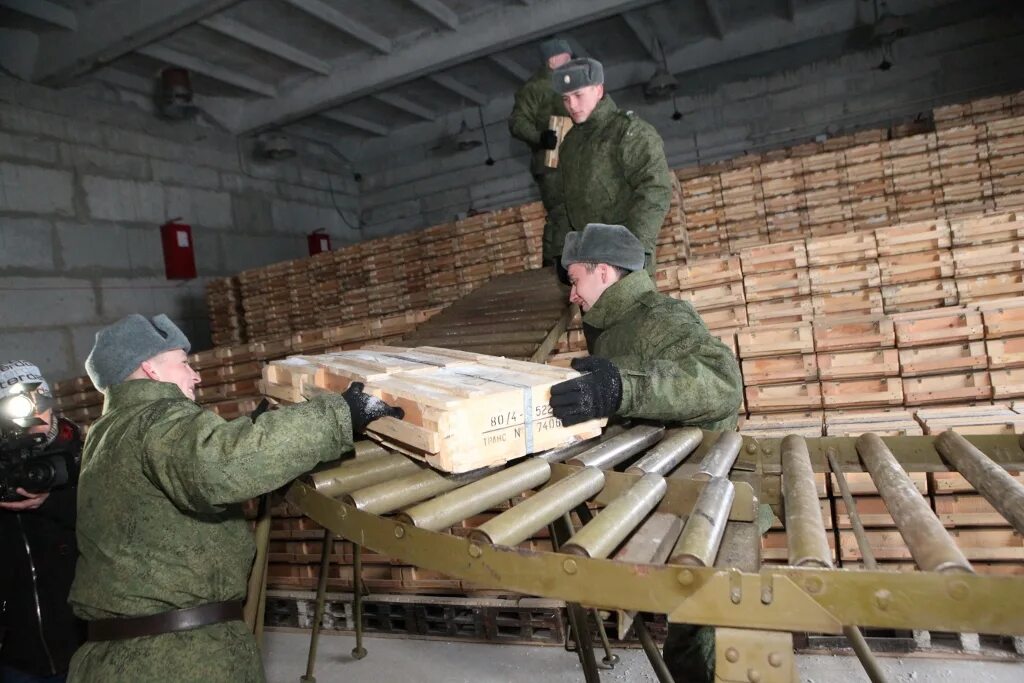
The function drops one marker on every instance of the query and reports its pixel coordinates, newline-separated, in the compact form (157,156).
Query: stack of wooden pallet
(715,288)
(776,283)
(224,305)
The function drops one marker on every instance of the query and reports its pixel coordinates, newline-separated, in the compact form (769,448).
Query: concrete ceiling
(358,72)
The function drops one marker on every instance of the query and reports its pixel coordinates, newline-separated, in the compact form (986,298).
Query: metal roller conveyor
(930,544)
(654,521)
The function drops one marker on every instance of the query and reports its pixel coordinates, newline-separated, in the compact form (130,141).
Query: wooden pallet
(780,369)
(937,360)
(775,340)
(859,364)
(858,332)
(938,327)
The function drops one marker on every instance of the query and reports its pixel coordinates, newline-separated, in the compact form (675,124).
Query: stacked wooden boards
(463,410)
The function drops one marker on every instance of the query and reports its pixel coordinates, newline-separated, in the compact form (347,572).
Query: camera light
(18,407)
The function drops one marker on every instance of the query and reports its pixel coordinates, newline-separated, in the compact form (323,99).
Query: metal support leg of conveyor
(561,531)
(358,652)
(318,613)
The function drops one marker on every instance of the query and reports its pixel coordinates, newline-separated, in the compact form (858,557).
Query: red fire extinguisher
(318,241)
(179,251)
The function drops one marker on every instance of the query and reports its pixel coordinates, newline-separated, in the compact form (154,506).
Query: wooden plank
(990,287)
(713,296)
(847,334)
(774,257)
(861,484)
(916,296)
(776,284)
(712,271)
(937,360)
(883,391)
(780,369)
(942,327)
(944,483)
(859,364)
(1003,318)
(844,277)
(865,302)
(968,510)
(910,237)
(775,340)
(989,259)
(976,544)
(561,125)
(793,310)
(1007,383)
(1005,353)
(784,397)
(728,317)
(958,387)
(1003,227)
(916,267)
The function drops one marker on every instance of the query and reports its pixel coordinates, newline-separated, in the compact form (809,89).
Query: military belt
(121,628)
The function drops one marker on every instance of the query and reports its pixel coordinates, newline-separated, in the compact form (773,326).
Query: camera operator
(38,632)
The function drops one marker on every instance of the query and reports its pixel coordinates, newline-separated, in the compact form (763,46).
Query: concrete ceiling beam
(644,33)
(493,32)
(108,30)
(715,17)
(199,66)
(332,17)
(459,88)
(355,122)
(236,30)
(405,104)
(44,10)
(511,66)
(440,11)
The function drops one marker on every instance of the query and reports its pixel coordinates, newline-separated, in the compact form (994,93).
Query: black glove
(549,139)
(366,408)
(593,395)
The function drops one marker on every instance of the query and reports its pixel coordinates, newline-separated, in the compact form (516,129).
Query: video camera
(25,460)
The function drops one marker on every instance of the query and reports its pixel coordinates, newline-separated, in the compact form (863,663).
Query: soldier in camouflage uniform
(652,358)
(165,551)
(612,165)
(536,102)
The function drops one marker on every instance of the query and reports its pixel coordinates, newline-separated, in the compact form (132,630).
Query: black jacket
(37,564)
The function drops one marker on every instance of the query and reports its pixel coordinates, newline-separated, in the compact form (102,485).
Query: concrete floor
(428,661)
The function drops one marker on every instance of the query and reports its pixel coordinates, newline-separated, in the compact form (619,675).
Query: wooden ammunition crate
(780,425)
(848,334)
(729,317)
(945,483)
(1003,318)
(711,271)
(714,296)
(828,251)
(968,510)
(1007,383)
(989,259)
(826,516)
(937,360)
(921,266)
(976,544)
(844,277)
(910,237)
(784,397)
(561,125)
(894,427)
(794,310)
(1005,353)
(851,393)
(872,511)
(861,484)
(780,369)
(987,287)
(918,296)
(774,549)
(774,257)
(940,327)
(862,302)
(462,410)
(958,387)
(858,364)
(776,284)
(775,340)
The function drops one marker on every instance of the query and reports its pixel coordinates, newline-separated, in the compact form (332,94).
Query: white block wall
(84,187)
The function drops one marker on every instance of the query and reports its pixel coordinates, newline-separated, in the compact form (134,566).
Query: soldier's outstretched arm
(697,382)
(647,173)
(203,462)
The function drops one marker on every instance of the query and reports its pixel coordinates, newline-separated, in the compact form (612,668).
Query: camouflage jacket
(613,170)
(536,102)
(160,525)
(673,370)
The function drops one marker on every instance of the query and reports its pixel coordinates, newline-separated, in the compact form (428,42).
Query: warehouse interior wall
(793,96)
(85,185)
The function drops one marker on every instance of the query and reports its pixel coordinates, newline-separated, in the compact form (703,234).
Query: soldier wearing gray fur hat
(612,165)
(652,358)
(165,549)
(536,102)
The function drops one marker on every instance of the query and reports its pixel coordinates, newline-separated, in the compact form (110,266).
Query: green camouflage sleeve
(203,462)
(693,378)
(521,123)
(647,173)
(556,225)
